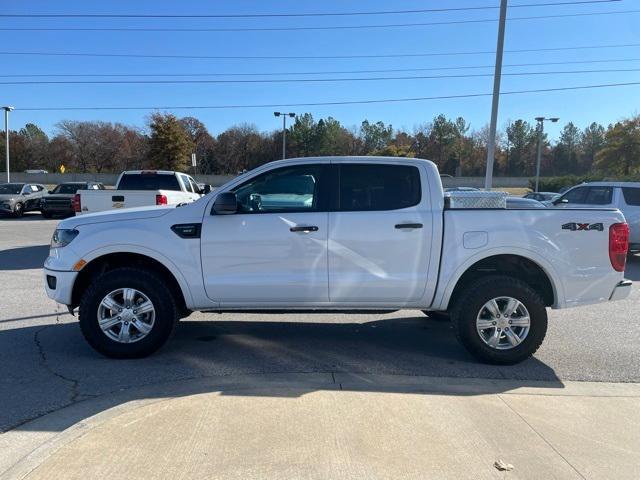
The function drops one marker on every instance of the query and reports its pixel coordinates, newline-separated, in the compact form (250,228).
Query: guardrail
(109,179)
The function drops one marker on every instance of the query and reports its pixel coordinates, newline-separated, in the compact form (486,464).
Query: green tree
(170,146)
(521,150)
(375,136)
(621,153)
(591,142)
(566,151)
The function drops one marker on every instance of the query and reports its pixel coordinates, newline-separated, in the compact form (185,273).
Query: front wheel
(500,320)
(18,210)
(127,313)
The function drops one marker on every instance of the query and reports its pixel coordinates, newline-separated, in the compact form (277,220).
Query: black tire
(469,304)
(46,214)
(438,316)
(18,210)
(144,281)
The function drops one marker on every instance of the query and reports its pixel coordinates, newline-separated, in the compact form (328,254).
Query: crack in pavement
(75,384)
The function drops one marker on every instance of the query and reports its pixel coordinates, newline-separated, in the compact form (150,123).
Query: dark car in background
(542,196)
(519,202)
(59,201)
(17,198)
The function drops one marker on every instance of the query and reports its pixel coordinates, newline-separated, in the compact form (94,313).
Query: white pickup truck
(140,188)
(339,234)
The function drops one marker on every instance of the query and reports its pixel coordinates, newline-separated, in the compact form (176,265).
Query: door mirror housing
(226,204)
(206,188)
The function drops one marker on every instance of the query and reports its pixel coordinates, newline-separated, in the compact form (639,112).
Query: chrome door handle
(408,225)
(305,229)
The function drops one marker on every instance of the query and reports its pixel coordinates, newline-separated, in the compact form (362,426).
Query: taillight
(618,245)
(161,199)
(77,205)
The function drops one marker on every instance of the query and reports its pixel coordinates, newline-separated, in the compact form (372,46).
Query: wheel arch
(523,265)
(107,261)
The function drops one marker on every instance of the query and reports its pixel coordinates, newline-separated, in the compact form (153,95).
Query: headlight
(63,237)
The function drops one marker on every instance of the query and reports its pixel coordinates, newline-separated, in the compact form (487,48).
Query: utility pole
(7,109)
(284,130)
(540,128)
(497,77)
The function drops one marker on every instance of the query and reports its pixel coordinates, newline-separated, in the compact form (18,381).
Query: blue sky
(581,107)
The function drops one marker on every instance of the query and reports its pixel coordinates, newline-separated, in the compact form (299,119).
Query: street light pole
(497,77)
(540,129)
(7,109)
(284,130)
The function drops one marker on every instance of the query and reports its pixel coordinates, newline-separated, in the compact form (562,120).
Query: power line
(323,72)
(310,14)
(318,57)
(305,28)
(303,80)
(346,102)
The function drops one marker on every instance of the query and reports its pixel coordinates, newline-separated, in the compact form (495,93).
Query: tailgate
(101,200)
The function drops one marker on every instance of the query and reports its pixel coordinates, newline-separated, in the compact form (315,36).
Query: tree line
(167,142)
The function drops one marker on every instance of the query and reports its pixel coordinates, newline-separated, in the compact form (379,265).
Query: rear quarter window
(631,196)
(366,187)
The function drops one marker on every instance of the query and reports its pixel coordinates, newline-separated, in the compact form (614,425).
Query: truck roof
(348,159)
(150,172)
(611,184)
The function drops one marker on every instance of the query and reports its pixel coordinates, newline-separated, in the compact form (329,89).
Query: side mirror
(560,200)
(49,192)
(205,189)
(226,204)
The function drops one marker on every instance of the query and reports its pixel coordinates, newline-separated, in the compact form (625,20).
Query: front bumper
(6,207)
(621,291)
(59,285)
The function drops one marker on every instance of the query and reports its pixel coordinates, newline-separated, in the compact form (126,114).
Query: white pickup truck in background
(140,188)
(341,234)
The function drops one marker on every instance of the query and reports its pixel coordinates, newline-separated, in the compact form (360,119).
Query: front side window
(287,189)
(576,195)
(599,196)
(365,187)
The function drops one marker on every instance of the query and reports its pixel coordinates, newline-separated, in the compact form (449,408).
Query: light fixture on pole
(7,109)
(284,130)
(540,129)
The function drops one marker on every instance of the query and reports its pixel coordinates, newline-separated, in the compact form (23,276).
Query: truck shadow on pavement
(248,358)
(23,258)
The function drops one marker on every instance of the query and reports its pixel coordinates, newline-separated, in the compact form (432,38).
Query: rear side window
(599,196)
(365,187)
(631,196)
(149,181)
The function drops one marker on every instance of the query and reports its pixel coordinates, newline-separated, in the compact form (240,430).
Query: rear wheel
(500,320)
(127,313)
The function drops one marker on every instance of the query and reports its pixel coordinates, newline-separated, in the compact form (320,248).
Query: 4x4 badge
(583,226)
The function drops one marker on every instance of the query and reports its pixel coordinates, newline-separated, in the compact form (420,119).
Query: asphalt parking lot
(45,363)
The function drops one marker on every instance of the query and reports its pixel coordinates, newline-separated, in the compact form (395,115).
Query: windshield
(11,188)
(69,188)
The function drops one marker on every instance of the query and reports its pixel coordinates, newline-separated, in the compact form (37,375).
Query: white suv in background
(625,196)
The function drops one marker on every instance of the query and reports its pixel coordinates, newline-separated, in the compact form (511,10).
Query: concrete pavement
(338,426)
(309,396)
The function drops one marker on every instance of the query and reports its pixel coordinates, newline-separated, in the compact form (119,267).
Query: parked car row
(133,189)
